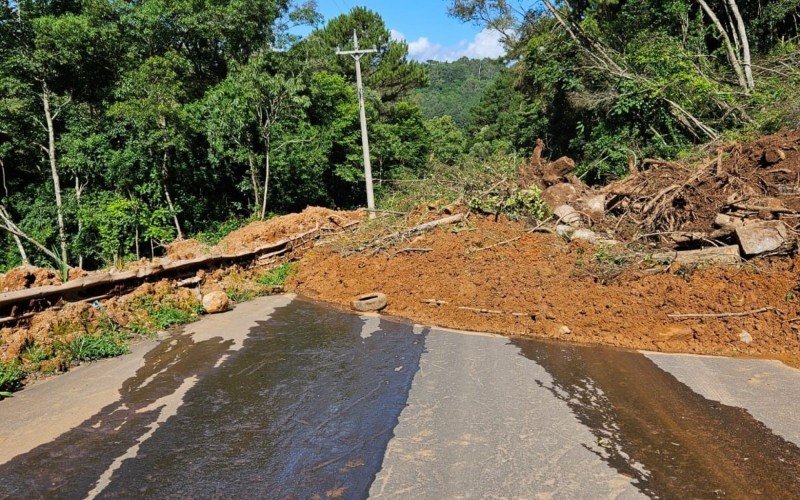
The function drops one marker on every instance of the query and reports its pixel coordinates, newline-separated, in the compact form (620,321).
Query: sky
(430,32)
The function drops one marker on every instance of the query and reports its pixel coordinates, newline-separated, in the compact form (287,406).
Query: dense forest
(455,88)
(125,125)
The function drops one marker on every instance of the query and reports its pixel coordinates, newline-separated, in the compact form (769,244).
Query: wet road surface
(285,398)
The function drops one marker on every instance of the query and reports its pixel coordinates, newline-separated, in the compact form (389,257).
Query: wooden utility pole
(357,53)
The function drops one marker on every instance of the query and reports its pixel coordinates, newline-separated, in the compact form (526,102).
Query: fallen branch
(426,226)
(410,250)
(512,240)
(723,315)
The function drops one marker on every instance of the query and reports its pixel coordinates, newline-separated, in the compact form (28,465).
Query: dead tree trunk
(51,153)
(267,153)
(748,70)
(254,179)
(733,58)
(9,226)
(164,177)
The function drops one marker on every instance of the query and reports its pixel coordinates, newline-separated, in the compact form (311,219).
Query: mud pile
(27,277)
(264,232)
(497,277)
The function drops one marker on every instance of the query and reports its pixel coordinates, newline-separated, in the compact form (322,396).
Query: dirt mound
(538,285)
(755,181)
(28,277)
(262,233)
(186,249)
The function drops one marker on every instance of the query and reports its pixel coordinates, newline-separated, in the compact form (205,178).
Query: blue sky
(430,32)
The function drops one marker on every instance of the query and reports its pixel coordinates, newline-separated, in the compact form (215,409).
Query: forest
(125,125)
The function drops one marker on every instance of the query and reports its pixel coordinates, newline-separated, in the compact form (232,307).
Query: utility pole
(357,53)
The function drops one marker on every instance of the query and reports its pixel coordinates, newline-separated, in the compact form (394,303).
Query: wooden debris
(715,255)
(722,315)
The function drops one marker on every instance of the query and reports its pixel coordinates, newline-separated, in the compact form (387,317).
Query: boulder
(370,302)
(585,235)
(216,302)
(565,231)
(568,215)
(596,206)
(555,171)
(762,237)
(560,194)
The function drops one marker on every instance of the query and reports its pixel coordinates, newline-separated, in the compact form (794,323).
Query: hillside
(456,87)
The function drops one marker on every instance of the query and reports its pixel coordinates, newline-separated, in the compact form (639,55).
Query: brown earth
(261,233)
(186,249)
(558,291)
(28,277)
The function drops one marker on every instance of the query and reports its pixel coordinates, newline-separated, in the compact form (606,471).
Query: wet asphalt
(286,398)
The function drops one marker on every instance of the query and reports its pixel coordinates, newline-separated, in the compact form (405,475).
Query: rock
(564,330)
(585,235)
(596,206)
(216,302)
(714,255)
(762,237)
(565,231)
(554,172)
(568,215)
(745,337)
(560,194)
(774,155)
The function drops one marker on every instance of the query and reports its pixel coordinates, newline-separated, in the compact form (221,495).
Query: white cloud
(485,44)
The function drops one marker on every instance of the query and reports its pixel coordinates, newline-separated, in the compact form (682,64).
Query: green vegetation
(456,87)
(613,82)
(277,276)
(11,375)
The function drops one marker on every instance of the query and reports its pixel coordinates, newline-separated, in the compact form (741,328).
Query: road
(287,398)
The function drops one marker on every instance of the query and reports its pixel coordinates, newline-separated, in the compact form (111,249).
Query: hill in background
(456,87)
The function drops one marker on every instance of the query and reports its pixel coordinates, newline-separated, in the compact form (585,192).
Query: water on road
(285,398)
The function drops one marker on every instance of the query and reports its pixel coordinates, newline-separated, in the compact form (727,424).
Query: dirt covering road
(557,290)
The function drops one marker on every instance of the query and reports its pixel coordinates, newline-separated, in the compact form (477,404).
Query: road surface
(287,398)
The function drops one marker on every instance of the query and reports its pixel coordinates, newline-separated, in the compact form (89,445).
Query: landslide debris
(499,277)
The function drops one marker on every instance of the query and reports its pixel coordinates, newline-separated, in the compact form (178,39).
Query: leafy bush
(11,375)
(277,276)
(519,203)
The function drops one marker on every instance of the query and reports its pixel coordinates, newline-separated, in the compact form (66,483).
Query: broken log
(715,255)
(425,226)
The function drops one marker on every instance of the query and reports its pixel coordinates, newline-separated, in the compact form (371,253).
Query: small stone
(216,302)
(745,337)
(564,330)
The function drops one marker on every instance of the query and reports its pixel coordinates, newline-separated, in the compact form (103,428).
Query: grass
(11,375)
(109,342)
(277,276)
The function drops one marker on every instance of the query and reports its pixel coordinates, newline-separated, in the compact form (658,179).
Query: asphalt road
(287,398)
